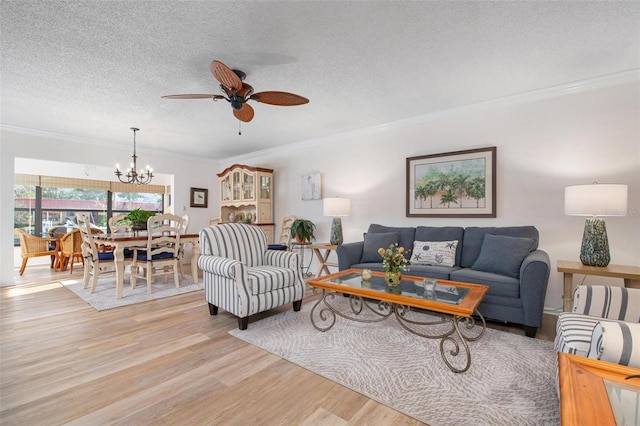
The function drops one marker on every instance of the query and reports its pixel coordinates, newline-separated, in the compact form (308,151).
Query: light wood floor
(162,362)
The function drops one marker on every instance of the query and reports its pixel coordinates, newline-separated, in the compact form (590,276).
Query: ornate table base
(458,330)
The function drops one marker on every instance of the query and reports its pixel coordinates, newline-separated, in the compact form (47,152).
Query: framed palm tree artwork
(460,183)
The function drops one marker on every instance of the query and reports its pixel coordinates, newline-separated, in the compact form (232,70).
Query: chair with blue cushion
(161,255)
(242,276)
(96,262)
(603,324)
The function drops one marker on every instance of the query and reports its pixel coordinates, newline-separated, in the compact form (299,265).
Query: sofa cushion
(499,285)
(434,253)
(442,233)
(503,255)
(406,235)
(374,241)
(474,237)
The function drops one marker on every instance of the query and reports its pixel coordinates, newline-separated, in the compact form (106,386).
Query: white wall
(542,146)
(15,147)
(544,143)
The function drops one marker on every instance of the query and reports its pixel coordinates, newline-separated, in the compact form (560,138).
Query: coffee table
(448,309)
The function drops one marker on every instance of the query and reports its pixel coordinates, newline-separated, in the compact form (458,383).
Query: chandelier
(133,176)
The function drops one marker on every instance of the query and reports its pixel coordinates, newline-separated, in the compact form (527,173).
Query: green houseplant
(138,218)
(303,230)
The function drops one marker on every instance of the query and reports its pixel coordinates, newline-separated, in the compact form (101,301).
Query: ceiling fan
(238,93)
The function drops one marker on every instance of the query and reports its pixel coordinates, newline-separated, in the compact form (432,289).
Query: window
(45,202)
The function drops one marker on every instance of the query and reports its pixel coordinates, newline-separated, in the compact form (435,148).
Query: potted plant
(303,230)
(138,219)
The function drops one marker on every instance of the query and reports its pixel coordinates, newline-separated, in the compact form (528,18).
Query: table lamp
(595,200)
(336,207)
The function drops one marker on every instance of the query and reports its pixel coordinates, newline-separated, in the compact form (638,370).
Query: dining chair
(161,254)
(185,226)
(118,224)
(97,263)
(34,246)
(70,249)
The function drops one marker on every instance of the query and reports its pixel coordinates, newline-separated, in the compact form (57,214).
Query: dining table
(121,240)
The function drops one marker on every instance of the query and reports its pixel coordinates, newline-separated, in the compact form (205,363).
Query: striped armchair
(603,324)
(242,277)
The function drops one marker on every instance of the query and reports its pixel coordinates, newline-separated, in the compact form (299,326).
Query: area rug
(105,295)
(511,380)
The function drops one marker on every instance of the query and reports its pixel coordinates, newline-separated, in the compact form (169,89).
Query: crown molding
(506,101)
(609,80)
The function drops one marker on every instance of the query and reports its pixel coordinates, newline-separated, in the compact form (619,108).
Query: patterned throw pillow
(438,253)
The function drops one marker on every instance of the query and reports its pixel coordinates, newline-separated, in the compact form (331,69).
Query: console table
(630,275)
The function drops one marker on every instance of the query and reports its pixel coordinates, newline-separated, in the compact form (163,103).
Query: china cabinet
(246,195)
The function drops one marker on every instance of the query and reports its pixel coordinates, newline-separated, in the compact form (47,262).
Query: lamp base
(336,232)
(595,245)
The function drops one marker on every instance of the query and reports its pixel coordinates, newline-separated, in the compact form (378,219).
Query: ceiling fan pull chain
(239,128)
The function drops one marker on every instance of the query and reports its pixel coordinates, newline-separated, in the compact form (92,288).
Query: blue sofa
(506,259)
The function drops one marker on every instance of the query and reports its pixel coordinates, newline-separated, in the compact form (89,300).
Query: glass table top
(625,402)
(442,293)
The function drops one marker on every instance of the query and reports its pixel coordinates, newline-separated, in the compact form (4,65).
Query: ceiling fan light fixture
(142,177)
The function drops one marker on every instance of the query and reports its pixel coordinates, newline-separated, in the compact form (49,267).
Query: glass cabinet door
(225,189)
(236,186)
(247,186)
(265,187)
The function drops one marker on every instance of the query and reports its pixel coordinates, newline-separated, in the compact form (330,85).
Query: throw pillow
(503,255)
(438,253)
(372,242)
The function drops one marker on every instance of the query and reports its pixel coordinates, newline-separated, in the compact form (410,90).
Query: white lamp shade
(337,206)
(595,200)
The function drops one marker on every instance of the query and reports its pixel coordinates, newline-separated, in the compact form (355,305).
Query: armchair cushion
(617,342)
(616,303)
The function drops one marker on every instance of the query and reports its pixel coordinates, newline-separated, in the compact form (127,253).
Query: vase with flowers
(394,263)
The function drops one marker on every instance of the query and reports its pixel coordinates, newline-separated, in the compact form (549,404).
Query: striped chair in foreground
(242,276)
(604,324)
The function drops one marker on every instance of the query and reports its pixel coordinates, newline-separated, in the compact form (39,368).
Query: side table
(322,252)
(630,274)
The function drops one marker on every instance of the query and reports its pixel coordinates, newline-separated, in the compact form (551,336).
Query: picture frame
(311,188)
(199,197)
(452,184)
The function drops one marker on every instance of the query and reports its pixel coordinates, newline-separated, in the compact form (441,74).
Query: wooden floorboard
(161,362)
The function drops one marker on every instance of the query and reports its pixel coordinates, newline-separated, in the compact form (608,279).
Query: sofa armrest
(222,266)
(349,254)
(608,302)
(534,277)
(617,342)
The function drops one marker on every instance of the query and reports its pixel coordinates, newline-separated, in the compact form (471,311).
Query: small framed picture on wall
(199,197)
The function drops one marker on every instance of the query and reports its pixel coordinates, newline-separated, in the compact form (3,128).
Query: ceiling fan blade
(225,75)
(193,96)
(279,98)
(244,114)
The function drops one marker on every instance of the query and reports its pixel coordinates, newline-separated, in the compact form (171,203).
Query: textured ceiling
(89,70)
